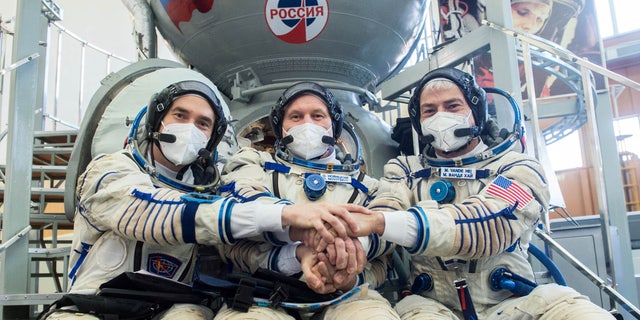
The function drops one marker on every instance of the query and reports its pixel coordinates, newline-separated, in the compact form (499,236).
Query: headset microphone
(165,137)
(204,153)
(286,140)
(328,140)
(463,132)
(428,139)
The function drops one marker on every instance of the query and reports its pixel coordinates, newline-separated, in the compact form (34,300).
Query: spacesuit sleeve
(114,194)
(244,178)
(375,271)
(394,195)
(394,188)
(486,224)
(249,255)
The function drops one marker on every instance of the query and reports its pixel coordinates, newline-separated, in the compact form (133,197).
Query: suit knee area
(418,307)
(254,313)
(552,292)
(187,311)
(370,306)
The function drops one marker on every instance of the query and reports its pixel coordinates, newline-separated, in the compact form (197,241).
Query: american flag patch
(509,191)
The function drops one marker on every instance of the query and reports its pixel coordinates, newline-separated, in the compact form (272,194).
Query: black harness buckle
(243,298)
(280,293)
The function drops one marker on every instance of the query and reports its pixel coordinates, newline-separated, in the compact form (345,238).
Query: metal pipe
(535,121)
(612,15)
(88,44)
(330,85)
(2,61)
(19,63)
(108,67)
(58,120)
(56,98)
(15,238)
(565,54)
(594,278)
(596,157)
(83,55)
(144,28)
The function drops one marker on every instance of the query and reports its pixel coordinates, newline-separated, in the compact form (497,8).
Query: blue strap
(277,167)
(424,173)
(481,174)
(83,255)
(318,166)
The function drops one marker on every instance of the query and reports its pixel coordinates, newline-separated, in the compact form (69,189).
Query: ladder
(47,219)
(630,169)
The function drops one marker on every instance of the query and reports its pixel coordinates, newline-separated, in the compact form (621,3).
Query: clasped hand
(331,254)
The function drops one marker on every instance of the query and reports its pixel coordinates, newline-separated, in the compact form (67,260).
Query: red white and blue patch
(296,21)
(509,191)
(163,265)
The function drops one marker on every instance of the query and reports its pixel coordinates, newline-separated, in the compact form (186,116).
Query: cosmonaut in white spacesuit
(467,208)
(148,206)
(310,164)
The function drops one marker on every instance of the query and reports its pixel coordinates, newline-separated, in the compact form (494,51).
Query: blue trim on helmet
(318,166)
(515,135)
(150,169)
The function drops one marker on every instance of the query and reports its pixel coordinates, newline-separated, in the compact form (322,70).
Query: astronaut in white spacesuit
(466,210)
(148,206)
(311,163)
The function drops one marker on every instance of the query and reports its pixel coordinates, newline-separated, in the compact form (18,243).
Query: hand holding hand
(338,279)
(310,237)
(318,215)
(345,254)
(317,281)
(368,222)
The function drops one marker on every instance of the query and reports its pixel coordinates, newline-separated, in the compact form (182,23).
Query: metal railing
(84,45)
(60,41)
(56,110)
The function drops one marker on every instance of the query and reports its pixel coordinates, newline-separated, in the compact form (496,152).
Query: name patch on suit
(337,178)
(457,173)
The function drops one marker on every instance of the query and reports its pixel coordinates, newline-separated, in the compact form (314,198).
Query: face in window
(530,17)
(306,109)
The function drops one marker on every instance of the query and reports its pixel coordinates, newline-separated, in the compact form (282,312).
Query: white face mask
(442,126)
(307,140)
(189,140)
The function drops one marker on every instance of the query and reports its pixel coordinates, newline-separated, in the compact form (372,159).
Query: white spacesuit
(304,169)
(472,202)
(135,213)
